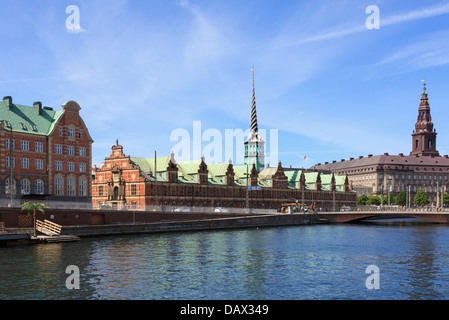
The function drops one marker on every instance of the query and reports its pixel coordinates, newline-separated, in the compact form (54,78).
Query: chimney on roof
(360,157)
(386,154)
(446,156)
(370,155)
(38,106)
(350,159)
(8,101)
(342,160)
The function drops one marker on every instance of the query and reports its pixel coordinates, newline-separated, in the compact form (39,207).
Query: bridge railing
(396,209)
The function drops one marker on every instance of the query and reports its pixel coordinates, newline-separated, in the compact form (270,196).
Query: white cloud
(430,51)
(422,13)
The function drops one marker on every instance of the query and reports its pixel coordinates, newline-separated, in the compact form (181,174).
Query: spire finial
(252,70)
(424,87)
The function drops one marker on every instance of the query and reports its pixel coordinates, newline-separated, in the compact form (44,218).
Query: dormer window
(24,127)
(8,124)
(34,127)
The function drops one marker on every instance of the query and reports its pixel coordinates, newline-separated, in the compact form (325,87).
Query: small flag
(305,157)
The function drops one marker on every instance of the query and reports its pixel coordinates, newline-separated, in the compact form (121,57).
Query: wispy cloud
(430,51)
(422,13)
(390,20)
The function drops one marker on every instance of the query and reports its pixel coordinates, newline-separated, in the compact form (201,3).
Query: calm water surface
(307,262)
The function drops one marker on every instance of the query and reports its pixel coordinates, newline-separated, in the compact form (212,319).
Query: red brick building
(138,183)
(44,154)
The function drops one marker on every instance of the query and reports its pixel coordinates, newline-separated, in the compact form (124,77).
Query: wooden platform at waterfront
(55,239)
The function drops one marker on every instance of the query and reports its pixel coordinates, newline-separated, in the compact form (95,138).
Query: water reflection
(310,262)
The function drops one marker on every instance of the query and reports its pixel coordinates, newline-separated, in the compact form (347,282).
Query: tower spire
(424,136)
(254,127)
(254,145)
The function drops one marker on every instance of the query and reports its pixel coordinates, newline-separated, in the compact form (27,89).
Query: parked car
(221,210)
(345,208)
(182,209)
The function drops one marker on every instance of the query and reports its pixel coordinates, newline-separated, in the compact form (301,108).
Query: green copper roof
(188,173)
(28,119)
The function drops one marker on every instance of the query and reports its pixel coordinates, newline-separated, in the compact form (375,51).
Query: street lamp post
(409,196)
(11,169)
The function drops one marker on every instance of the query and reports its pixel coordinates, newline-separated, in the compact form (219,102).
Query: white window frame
(13,162)
(58,165)
(39,164)
(24,145)
(82,187)
(25,186)
(38,147)
(39,186)
(71,190)
(71,132)
(59,185)
(8,141)
(25,163)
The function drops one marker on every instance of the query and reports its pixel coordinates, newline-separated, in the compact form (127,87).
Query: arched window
(416,144)
(115,193)
(39,186)
(10,186)
(429,144)
(25,186)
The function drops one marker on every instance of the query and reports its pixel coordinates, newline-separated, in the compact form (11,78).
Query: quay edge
(195,225)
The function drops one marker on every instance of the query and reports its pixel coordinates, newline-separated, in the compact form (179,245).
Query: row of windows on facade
(415,177)
(412,187)
(39,186)
(39,147)
(403,177)
(71,132)
(39,164)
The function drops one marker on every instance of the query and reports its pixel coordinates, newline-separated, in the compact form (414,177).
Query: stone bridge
(352,216)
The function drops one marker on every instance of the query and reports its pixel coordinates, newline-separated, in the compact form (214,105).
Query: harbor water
(314,262)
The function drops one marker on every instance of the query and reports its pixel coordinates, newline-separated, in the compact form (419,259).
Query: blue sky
(141,69)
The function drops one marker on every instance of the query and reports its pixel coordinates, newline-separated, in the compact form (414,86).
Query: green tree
(33,207)
(373,199)
(421,198)
(385,199)
(445,198)
(401,198)
(362,200)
